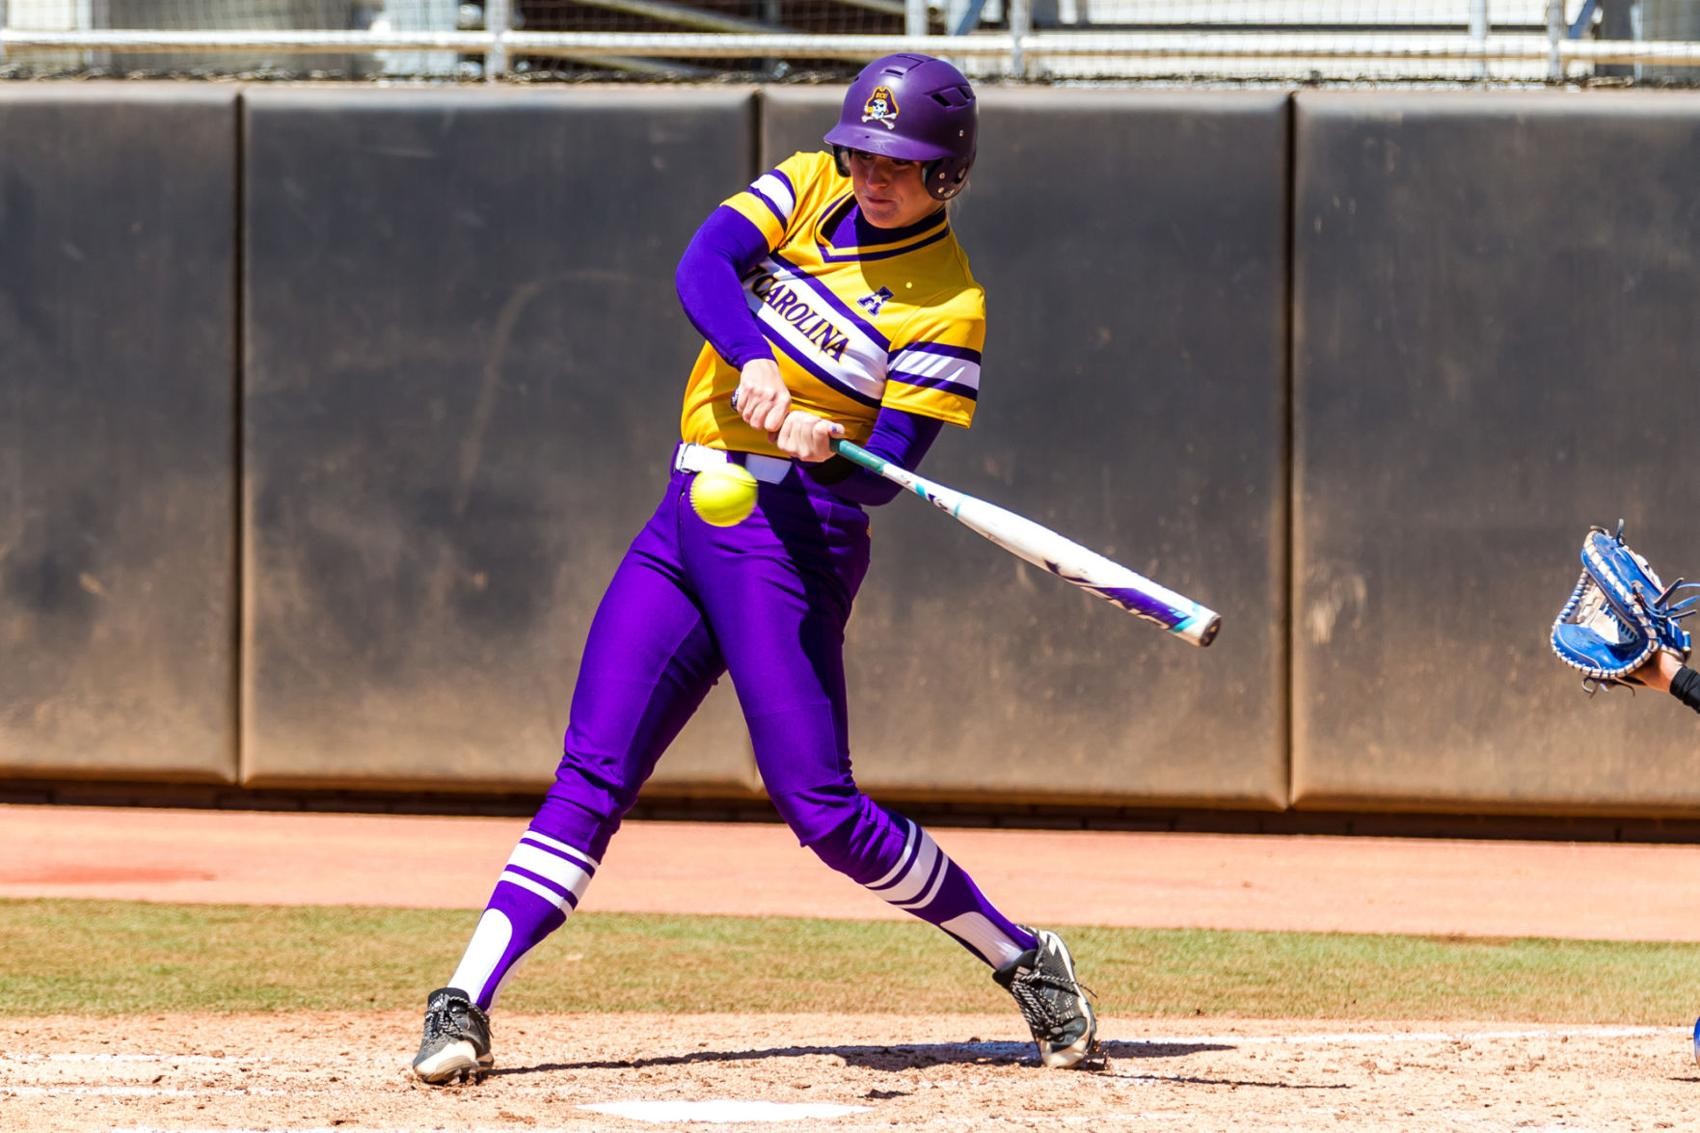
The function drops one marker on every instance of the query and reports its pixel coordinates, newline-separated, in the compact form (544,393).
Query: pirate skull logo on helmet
(881,107)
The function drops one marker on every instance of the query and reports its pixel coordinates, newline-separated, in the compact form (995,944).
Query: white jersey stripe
(853,375)
(938,368)
(777,193)
(821,299)
(786,294)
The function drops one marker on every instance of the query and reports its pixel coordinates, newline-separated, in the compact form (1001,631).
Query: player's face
(890,191)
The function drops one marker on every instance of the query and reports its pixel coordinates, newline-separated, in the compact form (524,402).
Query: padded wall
(1495,332)
(117,431)
(463,359)
(464,367)
(1133,250)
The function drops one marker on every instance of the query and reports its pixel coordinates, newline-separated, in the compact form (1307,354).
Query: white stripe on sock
(920,872)
(541,890)
(902,859)
(562,872)
(938,883)
(984,937)
(562,847)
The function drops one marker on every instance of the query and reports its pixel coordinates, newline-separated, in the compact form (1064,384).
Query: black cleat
(1052,1001)
(457,1038)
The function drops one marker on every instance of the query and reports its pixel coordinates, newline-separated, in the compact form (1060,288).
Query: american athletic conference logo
(874,300)
(881,107)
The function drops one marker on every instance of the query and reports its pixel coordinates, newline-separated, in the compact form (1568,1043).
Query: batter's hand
(806,437)
(761,398)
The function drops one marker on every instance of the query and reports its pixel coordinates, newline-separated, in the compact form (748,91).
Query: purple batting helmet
(913,108)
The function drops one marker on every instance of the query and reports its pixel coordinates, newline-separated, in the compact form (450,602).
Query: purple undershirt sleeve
(902,438)
(709,282)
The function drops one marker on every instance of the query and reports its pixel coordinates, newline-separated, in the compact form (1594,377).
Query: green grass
(114,958)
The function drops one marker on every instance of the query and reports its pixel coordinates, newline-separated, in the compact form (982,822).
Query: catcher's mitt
(1620,613)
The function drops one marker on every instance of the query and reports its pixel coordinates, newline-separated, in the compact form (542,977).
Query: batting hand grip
(1055,553)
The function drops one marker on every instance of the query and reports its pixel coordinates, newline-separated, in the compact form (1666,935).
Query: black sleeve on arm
(1685,686)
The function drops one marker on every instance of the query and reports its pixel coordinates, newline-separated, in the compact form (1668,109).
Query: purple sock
(920,878)
(539,887)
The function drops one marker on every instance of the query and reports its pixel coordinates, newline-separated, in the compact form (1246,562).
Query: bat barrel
(1061,556)
(1142,598)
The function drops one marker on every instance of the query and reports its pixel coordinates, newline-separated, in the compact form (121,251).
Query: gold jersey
(900,323)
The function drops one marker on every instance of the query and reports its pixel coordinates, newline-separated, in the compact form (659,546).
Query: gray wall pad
(117,386)
(464,367)
(457,324)
(1495,333)
(1133,250)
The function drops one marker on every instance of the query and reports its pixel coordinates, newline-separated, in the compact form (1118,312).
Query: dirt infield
(845,1075)
(348,1072)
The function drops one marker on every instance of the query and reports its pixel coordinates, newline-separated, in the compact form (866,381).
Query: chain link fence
(1315,41)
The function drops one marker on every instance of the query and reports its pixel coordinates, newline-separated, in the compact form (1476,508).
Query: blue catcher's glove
(1620,613)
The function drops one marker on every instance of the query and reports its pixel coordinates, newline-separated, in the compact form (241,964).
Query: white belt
(700,458)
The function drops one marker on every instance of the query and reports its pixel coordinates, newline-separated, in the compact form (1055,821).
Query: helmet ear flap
(930,178)
(944,178)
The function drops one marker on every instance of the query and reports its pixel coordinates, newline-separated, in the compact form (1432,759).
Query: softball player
(834,301)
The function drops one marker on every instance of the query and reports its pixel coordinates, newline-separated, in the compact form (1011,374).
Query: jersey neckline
(894,241)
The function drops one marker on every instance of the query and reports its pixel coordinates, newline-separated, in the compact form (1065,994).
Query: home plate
(721,1112)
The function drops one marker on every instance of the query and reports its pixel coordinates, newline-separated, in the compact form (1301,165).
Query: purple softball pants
(766,601)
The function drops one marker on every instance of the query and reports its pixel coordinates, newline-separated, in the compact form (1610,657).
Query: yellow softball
(724,495)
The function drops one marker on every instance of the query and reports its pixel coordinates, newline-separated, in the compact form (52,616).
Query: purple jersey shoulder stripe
(943,384)
(860,257)
(965,353)
(832,300)
(827,376)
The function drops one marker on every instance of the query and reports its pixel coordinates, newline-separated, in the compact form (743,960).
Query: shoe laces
(436,1022)
(441,1020)
(1036,993)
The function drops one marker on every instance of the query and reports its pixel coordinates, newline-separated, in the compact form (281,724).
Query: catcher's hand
(1620,614)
